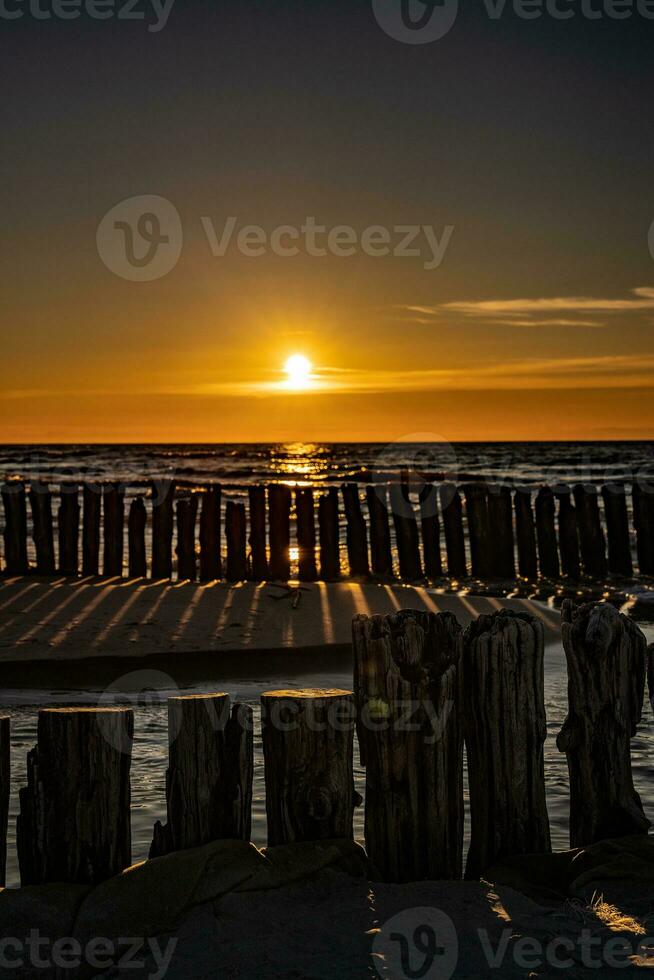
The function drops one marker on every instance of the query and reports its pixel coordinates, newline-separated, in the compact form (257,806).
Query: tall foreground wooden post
(308,739)
(5,772)
(407,681)
(606,654)
(209,776)
(505,729)
(74,821)
(15,534)
(42,528)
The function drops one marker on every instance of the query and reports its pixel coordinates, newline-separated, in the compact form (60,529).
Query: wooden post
(617,529)
(279,529)
(643,501)
(501,556)
(163,498)
(330,552)
(187,512)
(15,534)
(306,534)
(114,518)
(452,511)
(235,532)
(431,532)
(407,677)
(308,739)
(606,654)
(548,555)
(568,533)
(505,729)
(406,535)
(209,776)
(74,822)
(42,532)
(357,542)
(591,535)
(526,534)
(69,530)
(258,557)
(210,558)
(92,500)
(136,539)
(380,530)
(5,773)
(476,497)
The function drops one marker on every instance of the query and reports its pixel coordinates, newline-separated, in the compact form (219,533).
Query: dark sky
(532,138)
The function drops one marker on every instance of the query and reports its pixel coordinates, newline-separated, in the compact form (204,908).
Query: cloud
(541,312)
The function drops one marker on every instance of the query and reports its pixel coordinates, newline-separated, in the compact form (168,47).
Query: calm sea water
(236,467)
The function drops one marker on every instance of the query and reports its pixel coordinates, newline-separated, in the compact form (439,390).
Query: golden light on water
(298,370)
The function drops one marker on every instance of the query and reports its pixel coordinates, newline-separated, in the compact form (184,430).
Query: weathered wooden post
(606,654)
(476,498)
(69,530)
(5,774)
(136,538)
(431,532)
(114,517)
(617,529)
(407,681)
(209,776)
(505,729)
(74,821)
(163,499)
(306,534)
(42,528)
(455,545)
(591,535)
(526,534)
(91,512)
(279,529)
(501,556)
(210,558)
(380,530)
(258,556)
(548,555)
(357,542)
(308,739)
(643,501)
(406,534)
(187,512)
(236,534)
(329,533)
(15,533)
(568,533)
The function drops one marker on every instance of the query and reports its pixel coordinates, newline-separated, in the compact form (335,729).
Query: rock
(49,908)
(288,863)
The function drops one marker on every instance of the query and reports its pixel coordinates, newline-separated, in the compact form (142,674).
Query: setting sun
(298,371)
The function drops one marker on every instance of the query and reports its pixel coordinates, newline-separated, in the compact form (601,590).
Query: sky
(486,268)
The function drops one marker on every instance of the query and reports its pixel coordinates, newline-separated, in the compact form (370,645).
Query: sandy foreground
(70,620)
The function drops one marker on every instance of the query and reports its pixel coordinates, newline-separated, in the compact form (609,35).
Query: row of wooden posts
(556,532)
(422,687)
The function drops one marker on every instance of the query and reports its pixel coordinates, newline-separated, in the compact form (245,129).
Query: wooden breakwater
(479,531)
(423,687)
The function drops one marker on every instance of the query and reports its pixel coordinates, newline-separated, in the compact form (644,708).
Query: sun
(298,370)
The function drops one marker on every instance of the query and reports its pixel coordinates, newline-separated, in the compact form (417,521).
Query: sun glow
(298,372)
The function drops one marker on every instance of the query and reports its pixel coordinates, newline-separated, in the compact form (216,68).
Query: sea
(236,467)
